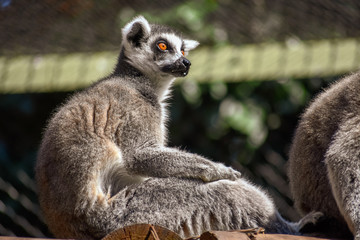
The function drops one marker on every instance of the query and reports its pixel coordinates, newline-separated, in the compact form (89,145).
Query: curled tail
(305,224)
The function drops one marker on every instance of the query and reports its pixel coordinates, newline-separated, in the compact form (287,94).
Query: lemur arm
(170,162)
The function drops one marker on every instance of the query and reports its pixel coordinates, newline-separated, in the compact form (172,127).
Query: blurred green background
(258,66)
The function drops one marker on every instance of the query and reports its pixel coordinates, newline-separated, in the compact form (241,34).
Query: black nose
(186,62)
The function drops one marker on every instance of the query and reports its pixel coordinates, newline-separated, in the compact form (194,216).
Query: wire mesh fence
(48,46)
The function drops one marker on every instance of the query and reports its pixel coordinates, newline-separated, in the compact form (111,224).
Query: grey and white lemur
(103,162)
(324,164)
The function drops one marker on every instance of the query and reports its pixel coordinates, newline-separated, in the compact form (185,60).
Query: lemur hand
(218,171)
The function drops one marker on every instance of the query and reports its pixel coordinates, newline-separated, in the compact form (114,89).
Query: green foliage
(214,118)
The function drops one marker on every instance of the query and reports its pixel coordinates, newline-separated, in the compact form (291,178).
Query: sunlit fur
(104,162)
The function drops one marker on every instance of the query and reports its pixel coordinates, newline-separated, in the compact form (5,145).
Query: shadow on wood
(152,232)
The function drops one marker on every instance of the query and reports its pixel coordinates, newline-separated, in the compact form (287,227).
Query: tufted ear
(190,44)
(136,30)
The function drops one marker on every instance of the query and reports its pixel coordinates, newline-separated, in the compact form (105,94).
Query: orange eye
(162,46)
(183,52)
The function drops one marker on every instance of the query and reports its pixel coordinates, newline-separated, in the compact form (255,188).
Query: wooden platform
(151,232)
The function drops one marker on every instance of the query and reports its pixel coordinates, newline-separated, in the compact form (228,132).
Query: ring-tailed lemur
(103,162)
(324,164)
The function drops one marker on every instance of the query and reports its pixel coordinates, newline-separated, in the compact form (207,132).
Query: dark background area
(245,124)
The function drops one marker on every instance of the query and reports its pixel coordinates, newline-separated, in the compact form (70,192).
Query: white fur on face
(142,57)
(190,45)
(176,43)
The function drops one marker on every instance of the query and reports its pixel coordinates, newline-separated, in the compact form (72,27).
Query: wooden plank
(265,61)
(23,238)
(152,232)
(288,237)
(142,232)
(240,235)
(217,235)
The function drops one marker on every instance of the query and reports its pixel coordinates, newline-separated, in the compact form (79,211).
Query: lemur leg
(171,162)
(343,165)
(219,205)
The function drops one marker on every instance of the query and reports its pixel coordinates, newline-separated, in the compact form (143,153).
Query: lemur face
(169,55)
(156,50)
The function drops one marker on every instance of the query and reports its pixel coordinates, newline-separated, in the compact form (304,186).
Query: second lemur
(324,164)
(103,162)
